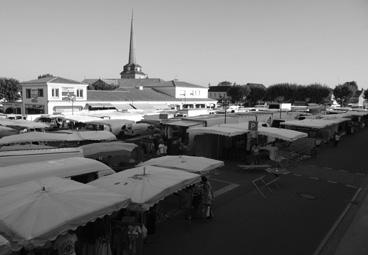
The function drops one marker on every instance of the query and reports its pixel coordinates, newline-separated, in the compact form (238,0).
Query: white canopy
(217,130)
(58,136)
(19,156)
(23,124)
(279,133)
(4,246)
(146,185)
(96,148)
(66,167)
(199,165)
(35,212)
(313,123)
(282,134)
(81,118)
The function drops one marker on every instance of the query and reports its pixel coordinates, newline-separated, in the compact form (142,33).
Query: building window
(55,92)
(28,93)
(40,93)
(79,92)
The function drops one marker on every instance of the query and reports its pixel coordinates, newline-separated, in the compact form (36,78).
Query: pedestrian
(65,244)
(207,198)
(336,138)
(162,148)
(255,152)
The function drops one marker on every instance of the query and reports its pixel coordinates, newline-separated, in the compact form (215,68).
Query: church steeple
(131,46)
(132,70)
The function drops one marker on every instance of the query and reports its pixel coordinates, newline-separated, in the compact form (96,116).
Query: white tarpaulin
(146,185)
(23,124)
(217,130)
(66,167)
(199,165)
(62,136)
(282,134)
(35,212)
(313,123)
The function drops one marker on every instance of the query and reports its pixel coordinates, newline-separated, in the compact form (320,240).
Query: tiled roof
(51,79)
(149,82)
(132,94)
(185,84)
(219,88)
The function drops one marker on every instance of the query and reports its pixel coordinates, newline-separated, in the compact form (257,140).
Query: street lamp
(225,104)
(71,98)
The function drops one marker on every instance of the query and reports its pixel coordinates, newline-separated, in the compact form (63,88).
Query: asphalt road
(293,219)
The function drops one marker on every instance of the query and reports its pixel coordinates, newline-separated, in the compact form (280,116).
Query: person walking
(336,138)
(207,198)
(255,152)
(162,148)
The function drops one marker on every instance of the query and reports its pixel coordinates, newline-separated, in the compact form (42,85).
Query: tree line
(251,94)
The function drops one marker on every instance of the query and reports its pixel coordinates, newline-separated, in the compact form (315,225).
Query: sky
(199,41)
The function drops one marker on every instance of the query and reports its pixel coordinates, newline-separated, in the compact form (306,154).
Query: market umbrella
(199,165)
(113,151)
(35,212)
(4,246)
(146,185)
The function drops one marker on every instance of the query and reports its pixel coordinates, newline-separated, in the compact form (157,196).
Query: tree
(343,93)
(316,93)
(101,85)
(9,89)
(366,94)
(257,92)
(238,93)
(225,83)
(44,76)
(282,92)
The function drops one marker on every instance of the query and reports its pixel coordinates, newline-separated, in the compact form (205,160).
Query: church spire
(131,47)
(132,70)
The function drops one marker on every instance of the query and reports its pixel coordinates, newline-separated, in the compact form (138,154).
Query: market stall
(60,138)
(217,142)
(198,165)
(146,185)
(77,168)
(35,213)
(118,155)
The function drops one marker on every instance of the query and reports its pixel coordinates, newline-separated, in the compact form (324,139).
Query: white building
(53,94)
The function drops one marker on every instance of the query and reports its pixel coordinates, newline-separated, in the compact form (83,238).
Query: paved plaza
(306,213)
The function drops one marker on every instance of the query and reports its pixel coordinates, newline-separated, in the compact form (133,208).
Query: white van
(80,169)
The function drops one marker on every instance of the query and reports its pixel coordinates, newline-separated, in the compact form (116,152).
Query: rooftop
(149,82)
(52,79)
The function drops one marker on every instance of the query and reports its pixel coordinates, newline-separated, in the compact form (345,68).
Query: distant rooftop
(149,82)
(52,79)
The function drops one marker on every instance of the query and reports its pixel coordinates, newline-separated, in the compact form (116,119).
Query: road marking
(297,174)
(335,225)
(225,189)
(351,186)
(332,182)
